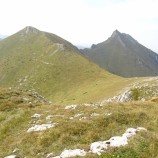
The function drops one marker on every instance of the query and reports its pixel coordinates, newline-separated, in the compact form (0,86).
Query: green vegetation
(15,119)
(144,92)
(135,94)
(54,68)
(42,64)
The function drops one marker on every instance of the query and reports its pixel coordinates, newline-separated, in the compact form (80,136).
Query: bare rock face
(122,55)
(30,29)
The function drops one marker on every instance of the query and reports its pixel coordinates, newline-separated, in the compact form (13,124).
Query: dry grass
(75,133)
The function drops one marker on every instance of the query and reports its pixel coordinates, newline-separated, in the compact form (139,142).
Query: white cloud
(83,21)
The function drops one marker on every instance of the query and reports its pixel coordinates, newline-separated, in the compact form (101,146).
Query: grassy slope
(37,61)
(15,119)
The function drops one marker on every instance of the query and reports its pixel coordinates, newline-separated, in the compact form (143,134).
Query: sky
(84,22)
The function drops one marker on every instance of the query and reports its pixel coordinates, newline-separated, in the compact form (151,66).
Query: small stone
(94,114)
(130,132)
(36,116)
(49,117)
(42,127)
(11,156)
(70,107)
(141,129)
(83,118)
(15,150)
(49,155)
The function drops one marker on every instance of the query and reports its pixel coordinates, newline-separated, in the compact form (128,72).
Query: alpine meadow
(59,101)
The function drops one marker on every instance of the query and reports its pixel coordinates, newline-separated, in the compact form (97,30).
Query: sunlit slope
(74,128)
(53,67)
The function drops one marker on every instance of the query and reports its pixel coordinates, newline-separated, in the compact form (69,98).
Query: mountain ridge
(52,66)
(54,101)
(122,50)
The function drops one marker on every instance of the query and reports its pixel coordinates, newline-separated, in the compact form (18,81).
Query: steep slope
(124,56)
(53,67)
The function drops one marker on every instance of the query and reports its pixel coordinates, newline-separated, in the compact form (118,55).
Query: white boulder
(11,156)
(98,147)
(41,127)
(77,115)
(118,141)
(72,153)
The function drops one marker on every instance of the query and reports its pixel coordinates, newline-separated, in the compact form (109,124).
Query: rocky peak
(116,33)
(117,36)
(30,29)
(93,46)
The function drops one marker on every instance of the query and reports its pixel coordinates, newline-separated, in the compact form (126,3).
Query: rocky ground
(33,127)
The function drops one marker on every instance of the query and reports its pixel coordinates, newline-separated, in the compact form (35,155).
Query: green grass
(69,78)
(35,61)
(71,134)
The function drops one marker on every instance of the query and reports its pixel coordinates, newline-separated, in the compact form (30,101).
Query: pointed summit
(122,55)
(30,29)
(116,33)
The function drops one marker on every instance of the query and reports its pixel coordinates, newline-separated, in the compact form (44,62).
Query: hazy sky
(84,22)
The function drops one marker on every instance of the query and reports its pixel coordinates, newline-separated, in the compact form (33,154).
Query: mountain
(53,67)
(2,36)
(34,62)
(122,55)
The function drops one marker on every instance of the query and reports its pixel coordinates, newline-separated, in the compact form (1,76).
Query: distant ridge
(2,37)
(122,55)
(52,66)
